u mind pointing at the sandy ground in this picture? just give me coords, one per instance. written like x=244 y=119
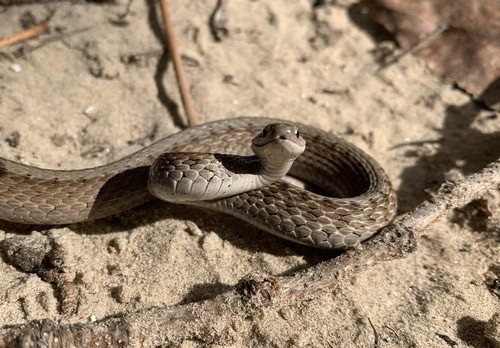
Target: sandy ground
x=85 y=101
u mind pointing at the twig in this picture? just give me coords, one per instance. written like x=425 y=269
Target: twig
x=25 y=35
x=212 y=321
x=187 y=100
x=375 y=334
x=415 y=46
x=393 y=331
x=217 y=22
x=121 y=19
x=447 y=339
x=41 y=43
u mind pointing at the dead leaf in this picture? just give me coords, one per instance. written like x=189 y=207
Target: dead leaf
x=467 y=50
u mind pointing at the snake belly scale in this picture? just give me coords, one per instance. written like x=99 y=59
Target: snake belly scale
x=358 y=198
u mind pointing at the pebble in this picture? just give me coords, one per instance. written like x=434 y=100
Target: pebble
x=16 y=68
x=90 y=110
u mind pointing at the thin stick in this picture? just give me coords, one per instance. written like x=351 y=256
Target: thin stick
x=187 y=100
x=216 y=22
x=27 y=34
x=43 y=42
x=415 y=46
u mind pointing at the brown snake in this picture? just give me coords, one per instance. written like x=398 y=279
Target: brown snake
x=356 y=201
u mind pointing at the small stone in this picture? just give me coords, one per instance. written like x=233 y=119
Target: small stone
x=116 y=245
x=16 y=68
x=90 y=110
x=14 y=139
x=58 y=140
x=117 y=293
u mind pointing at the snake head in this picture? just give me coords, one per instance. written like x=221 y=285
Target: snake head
x=278 y=143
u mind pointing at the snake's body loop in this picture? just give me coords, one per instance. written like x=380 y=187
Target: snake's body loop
x=358 y=199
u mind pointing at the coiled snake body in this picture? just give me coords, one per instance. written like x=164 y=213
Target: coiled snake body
x=358 y=198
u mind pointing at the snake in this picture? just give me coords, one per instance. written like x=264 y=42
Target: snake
x=236 y=166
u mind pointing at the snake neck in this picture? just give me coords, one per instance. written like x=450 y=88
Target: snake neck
x=272 y=169
x=251 y=172
x=190 y=177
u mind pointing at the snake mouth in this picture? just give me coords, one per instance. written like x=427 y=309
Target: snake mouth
x=279 y=145
x=280 y=140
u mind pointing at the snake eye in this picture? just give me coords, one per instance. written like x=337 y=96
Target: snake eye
x=297 y=133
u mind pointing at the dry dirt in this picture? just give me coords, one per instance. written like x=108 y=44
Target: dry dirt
x=106 y=92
